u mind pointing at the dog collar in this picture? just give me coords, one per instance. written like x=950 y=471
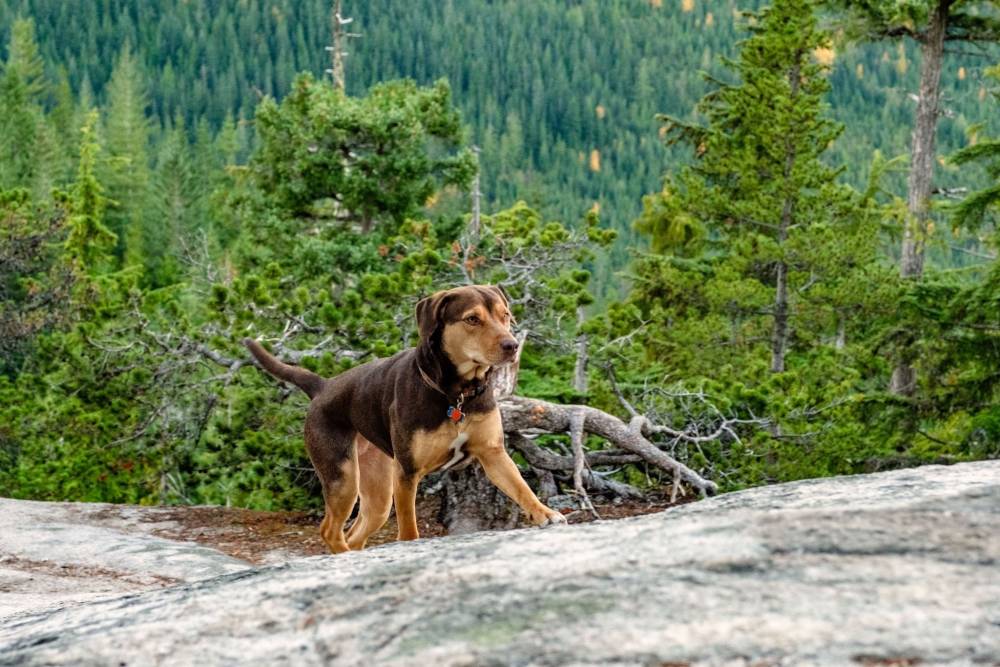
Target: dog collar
x=454 y=412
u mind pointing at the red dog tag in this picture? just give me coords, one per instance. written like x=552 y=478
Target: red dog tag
x=455 y=414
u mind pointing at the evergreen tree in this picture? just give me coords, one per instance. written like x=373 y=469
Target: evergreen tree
x=89 y=239
x=977 y=208
x=25 y=157
x=758 y=186
x=126 y=171
x=325 y=156
x=23 y=59
x=931 y=24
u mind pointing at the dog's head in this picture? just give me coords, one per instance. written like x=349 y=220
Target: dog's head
x=472 y=326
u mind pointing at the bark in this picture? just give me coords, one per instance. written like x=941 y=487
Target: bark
x=920 y=183
x=471 y=503
x=779 y=334
x=921 y=176
x=582 y=357
x=547 y=462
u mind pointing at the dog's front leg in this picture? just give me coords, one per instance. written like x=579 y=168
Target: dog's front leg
x=503 y=472
x=486 y=444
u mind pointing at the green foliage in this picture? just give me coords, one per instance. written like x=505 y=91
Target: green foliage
x=975 y=209
x=318 y=226
x=551 y=83
x=366 y=160
x=759 y=196
x=89 y=239
x=33 y=281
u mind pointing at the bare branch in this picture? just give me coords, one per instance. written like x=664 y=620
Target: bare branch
x=521 y=413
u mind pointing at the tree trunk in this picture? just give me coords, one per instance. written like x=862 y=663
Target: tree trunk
x=580 y=370
x=779 y=334
x=471 y=503
x=921 y=177
x=920 y=183
x=841 y=342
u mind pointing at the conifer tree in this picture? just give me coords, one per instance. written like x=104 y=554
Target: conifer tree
x=89 y=240
x=758 y=186
x=931 y=24
x=23 y=156
x=24 y=60
x=976 y=208
x=127 y=167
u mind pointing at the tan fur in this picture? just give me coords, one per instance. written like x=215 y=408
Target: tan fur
x=376 y=470
x=339 y=499
x=382 y=481
x=474 y=348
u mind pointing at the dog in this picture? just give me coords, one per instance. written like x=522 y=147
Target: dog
x=377 y=429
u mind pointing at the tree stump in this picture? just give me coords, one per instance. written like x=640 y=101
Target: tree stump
x=470 y=503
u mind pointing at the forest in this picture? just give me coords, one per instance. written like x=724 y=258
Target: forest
x=753 y=243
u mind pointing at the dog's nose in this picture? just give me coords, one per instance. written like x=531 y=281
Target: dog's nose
x=509 y=346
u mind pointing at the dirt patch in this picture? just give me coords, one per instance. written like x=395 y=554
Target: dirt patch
x=268 y=537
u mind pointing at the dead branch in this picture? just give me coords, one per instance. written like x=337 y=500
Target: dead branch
x=527 y=413
x=546 y=462
x=576 y=439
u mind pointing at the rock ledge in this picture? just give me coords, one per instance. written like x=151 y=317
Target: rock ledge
x=894 y=568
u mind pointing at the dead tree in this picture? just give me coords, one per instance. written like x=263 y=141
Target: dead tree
x=337 y=50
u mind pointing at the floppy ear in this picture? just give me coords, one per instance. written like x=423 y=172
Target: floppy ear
x=503 y=294
x=429 y=314
x=506 y=300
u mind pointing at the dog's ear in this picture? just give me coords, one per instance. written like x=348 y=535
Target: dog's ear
x=503 y=294
x=430 y=313
x=506 y=300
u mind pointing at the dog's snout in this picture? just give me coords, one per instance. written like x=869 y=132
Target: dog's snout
x=509 y=346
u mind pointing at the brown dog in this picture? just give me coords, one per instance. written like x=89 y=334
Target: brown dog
x=379 y=428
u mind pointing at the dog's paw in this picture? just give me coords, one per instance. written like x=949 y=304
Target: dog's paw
x=554 y=519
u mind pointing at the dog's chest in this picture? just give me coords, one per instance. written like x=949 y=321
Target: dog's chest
x=452 y=445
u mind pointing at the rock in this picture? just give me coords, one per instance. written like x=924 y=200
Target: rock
x=52 y=554
x=893 y=568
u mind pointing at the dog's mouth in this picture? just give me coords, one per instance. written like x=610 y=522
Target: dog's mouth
x=504 y=358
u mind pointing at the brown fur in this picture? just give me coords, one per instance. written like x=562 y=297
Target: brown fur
x=378 y=429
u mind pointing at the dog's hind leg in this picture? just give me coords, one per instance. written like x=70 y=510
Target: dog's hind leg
x=339 y=494
x=335 y=459
x=375 y=487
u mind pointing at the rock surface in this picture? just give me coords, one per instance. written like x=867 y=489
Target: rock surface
x=897 y=568
x=53 y=554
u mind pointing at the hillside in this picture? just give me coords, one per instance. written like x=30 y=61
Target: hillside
x=560 y=96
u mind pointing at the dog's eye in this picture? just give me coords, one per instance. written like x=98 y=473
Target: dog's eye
x=472 y=319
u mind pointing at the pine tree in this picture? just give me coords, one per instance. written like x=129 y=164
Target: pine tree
x=89 y=240
x=24 y=60
x=127 y=167
x=758 y=186
x=24 y=158
x=931 y=24
x=975 y=209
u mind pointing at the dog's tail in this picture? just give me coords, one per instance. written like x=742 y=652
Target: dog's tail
x=302 y=378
